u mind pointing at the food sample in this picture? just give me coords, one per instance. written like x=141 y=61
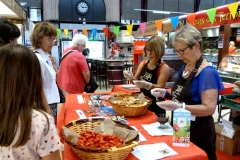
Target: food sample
x=128 y=100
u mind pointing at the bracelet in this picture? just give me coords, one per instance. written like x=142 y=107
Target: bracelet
x=183 y=105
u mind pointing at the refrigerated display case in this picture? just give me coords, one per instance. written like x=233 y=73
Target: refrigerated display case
x=229 y=68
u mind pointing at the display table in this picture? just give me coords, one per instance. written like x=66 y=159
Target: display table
x=68 y=113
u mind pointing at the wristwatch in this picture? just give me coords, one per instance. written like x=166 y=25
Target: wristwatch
x=183 y=105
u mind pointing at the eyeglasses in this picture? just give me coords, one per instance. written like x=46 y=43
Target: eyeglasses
x=51 y=39
x=148 y=50
x=179 y=51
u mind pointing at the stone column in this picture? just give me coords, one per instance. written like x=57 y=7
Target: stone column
x=50 y=10
x=112 y=10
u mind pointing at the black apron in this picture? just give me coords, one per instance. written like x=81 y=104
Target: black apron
x=202 y=131
x=151 y=76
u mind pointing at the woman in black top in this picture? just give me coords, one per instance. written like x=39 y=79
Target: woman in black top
x=147 y=71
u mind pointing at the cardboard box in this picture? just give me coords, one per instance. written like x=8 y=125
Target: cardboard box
x=228 y=138
x=181 y=127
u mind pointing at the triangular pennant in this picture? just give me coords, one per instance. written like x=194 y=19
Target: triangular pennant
x=65 y=33
x=143 y=26
x=174 y=21
x=84 y=31
x=75 y=31
x=211 y=14
x=105 y=31
x=94 y=32
x=233 y=9
x=159 y=25
x=58 y=33
x=129 y=28
x=116 y=30
x=191 y=18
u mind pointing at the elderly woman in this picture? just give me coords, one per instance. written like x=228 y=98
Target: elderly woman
x=152 y=73
x=43 y=38
x=196 y=89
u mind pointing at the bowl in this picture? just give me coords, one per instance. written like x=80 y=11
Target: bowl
x=162 y=119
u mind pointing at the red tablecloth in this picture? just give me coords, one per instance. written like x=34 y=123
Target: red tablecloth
x=68 y=113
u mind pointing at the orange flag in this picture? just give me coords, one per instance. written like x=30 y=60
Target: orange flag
x=159 y=25
x=105 y=31
x=84 y=31
x=191 y=18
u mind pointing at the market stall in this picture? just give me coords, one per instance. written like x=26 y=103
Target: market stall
x=68 y=112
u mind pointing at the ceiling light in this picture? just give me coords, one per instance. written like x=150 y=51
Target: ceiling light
x=161 y=12
x=5 y=10
x=23 y=3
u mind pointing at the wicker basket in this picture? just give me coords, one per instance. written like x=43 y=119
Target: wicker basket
x=132 y=111
x=112 y=153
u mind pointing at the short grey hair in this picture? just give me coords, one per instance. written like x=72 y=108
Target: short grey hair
x=189 y=35
x=79 y=39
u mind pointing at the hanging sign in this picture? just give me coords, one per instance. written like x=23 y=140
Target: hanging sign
x=222 y=16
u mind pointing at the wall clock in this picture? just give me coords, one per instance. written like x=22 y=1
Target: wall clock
x=82 y=7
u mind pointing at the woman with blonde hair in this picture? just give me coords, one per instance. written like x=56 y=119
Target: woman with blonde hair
x=43 y=38
x=26 y=130
x=152 y=73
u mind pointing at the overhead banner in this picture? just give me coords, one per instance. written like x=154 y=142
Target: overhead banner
x=222 y=16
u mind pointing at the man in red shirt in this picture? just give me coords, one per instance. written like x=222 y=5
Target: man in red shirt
x=74 y=72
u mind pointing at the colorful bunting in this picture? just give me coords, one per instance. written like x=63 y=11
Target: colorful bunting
x=116 y=30
x=94 y=32
x=211 y=14
x=75 y=31
x=191 y=18
x=143 y=26
x=58 y=33
x=65 y=33
x=84 y=31
x=233 y=9
x=174 y=21
x=159 y=25
x=105 y=31
x=129 y=28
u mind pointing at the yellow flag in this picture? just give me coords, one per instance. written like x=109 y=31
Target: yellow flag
x=65 y=32
x=129 y=28
x=233 y=9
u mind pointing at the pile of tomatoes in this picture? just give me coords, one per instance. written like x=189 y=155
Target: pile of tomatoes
x=89 y=138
